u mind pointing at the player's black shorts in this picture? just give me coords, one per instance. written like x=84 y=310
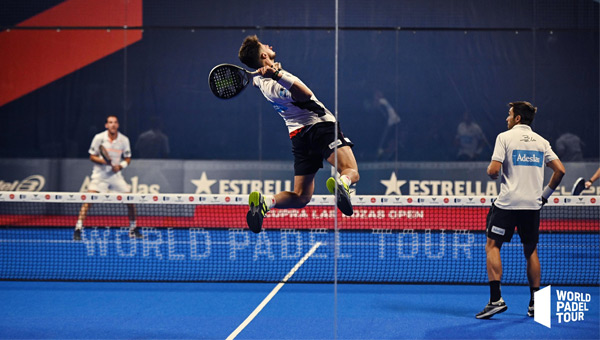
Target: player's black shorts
x=313 y=144
x=501 y=223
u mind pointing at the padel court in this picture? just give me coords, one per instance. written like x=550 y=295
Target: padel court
x=398 y=268
x=103 y=310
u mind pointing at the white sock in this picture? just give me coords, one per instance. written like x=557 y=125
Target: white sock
x=270 y=201
x=346 y=180
x=79 y=225
x=132 y=225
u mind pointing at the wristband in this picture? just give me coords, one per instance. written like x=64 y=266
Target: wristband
x=547 y=192
x=123 y=164
x=274 y=77
x=286 y=80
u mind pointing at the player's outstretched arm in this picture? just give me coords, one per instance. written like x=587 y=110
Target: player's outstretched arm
x=299 y=91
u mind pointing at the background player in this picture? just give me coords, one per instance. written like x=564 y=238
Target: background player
x=521 y=154
x=594 y=177
x=108 y=177
x=312 y=131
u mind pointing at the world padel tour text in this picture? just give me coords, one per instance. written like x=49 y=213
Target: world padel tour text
x=571 y=306
x=199 y=244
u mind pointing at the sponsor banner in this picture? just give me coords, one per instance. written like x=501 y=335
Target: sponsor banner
x=29 y=175
x=270 y=177
x=219 y=215
x=318 y=200
x=528 y=158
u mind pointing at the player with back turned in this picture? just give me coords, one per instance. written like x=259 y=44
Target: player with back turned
x=521 y=155
x=312 y=132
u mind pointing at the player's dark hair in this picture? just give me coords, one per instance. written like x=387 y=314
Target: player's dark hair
x=111 y=116
x=249 y=52
x=525 y=110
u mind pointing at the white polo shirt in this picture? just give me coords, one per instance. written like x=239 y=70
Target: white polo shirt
x=523 y=154
x=294 y=114
x=117 y=149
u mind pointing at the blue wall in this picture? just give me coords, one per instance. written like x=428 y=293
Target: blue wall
x=431 y=59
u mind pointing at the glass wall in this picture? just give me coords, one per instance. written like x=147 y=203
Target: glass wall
x=409 y=74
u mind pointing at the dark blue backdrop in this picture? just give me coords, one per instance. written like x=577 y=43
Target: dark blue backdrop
x=431 y=59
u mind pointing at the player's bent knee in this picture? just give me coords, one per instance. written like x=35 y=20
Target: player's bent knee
x=492 y=244
x=303 y=200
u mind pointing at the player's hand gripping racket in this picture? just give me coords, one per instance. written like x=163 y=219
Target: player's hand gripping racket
x=105 y=155
x=578 y=186
x=227 y=81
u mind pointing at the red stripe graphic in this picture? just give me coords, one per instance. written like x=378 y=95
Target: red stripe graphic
x=364 y=218
x=31 y=59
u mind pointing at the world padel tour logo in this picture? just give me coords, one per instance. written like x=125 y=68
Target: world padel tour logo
x=570 y=306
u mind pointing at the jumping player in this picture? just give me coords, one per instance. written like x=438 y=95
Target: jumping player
x=312 y=131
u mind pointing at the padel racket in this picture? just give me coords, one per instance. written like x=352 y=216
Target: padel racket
x=105 y=155
x=227 y=81
x=578 y=186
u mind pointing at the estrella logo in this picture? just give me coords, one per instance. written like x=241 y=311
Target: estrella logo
x=528 y=158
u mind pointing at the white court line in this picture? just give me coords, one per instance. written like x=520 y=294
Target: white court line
x=273 y=292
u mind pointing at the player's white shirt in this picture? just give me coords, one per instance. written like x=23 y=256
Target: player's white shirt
x=294 y=116
x=523 y=154
x=118 y=150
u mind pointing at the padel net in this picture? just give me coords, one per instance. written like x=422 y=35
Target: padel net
x=389 y=239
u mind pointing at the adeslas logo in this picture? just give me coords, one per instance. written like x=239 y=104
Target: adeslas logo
x=528 y=158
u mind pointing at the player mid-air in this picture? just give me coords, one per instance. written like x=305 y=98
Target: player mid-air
x=312 y=130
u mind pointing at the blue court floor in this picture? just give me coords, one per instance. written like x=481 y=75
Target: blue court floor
x=97 y=310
